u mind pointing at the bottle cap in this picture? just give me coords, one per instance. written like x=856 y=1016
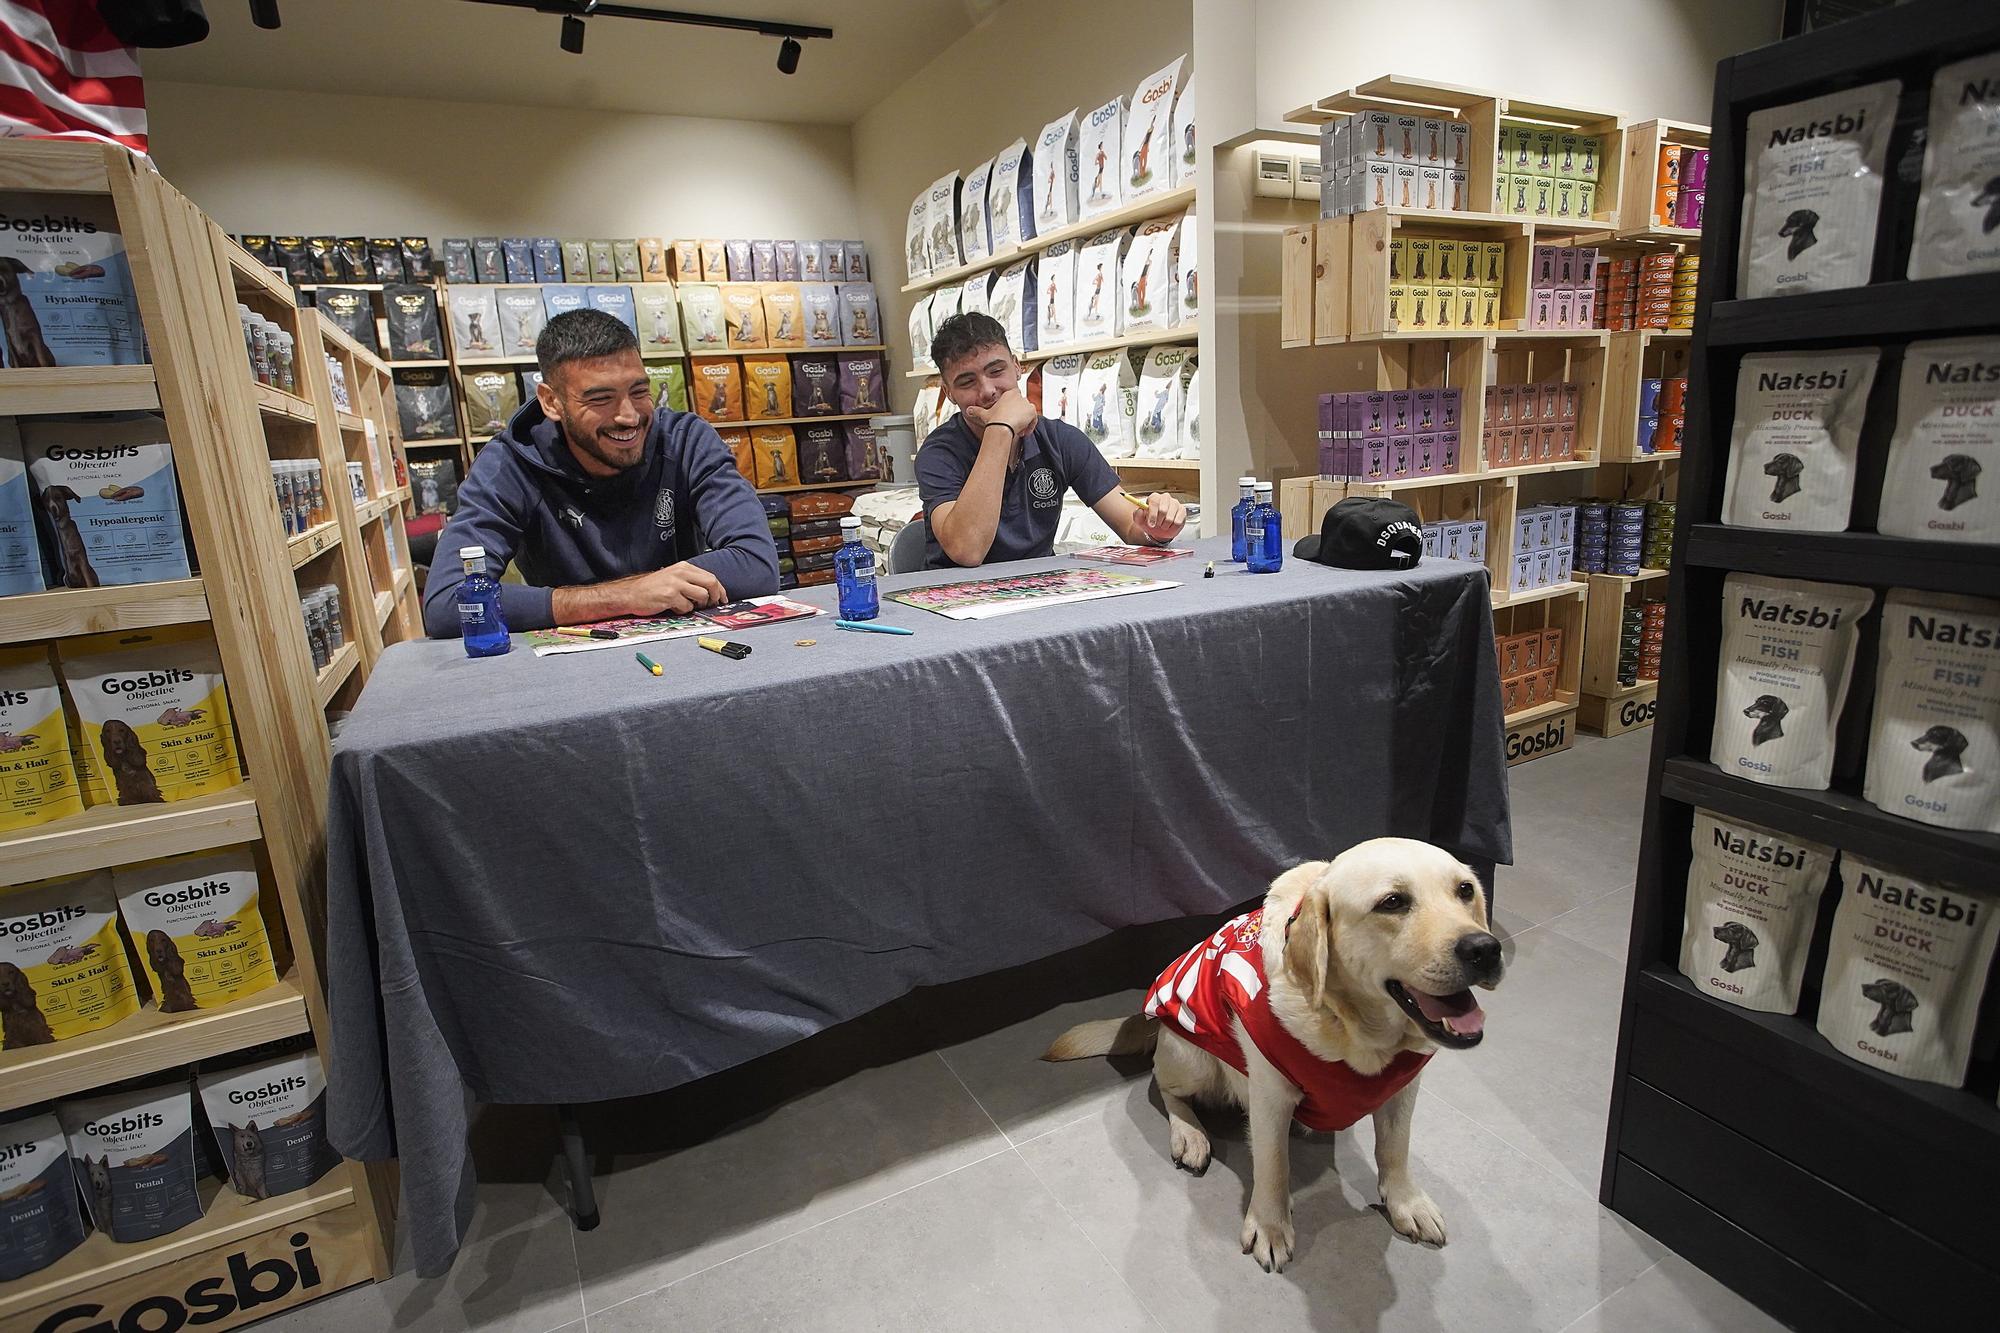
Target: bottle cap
x=472 y=553
x=1263 y=488
x=849 y=524
x=1246 y=481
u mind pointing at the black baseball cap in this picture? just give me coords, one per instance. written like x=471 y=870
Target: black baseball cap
x=1365 y=534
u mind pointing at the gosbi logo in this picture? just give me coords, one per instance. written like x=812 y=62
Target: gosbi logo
x=1632 y=712
x=1043 y=484
x=241 y=1286
x=1553 y=736
x=663 y=514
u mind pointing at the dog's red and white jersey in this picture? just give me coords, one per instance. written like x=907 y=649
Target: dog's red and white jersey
x=1223 y=978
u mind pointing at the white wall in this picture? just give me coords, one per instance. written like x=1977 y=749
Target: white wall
x=313 y=163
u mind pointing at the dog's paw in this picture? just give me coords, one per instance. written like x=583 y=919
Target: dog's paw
x=1413 y=1214
x=1189 y=1146
x=1268 y=1242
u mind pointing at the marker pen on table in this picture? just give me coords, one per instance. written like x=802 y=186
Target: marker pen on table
x=649 y=664
x=733 y=651
x=866 y=628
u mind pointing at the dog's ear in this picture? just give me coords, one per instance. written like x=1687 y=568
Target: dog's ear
x=1903 y=1000
x=13 y=265
x=1309 y=927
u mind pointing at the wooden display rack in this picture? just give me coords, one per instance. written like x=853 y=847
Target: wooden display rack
x=456 y=444
x=224 y=430
x=1548 y=727
x=1638 y=215
x=1611 y=709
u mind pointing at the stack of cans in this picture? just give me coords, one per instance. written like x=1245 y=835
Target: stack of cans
x=1593 y=536
x=1656 y=290
x=1680 y=188
x=1631 y=631
x=1617 y=296
x=1680 y=303
x=1627 y=545
x=1652 y=640
x=1659 y=542
x=1662 y=415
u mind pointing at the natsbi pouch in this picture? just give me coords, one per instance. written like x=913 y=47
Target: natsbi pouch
x=1787 y=655
x=269 y=1119
x=1812 y=190
x=39 y=1218
x=1904 y=972
x=195 y=923
x=135 y=1159
x=1793 y=444
x=1752 y=895
x=62 y=968
x=37 y=774
x=1934 y=747
x=1947 y=436
x=1958 y=212
x=153 y=715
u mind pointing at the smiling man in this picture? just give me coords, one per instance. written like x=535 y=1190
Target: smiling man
x=609 y=506
x=992 y=478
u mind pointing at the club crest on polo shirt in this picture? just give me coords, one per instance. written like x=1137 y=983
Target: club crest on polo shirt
x=1043 y=486
x=663 y=514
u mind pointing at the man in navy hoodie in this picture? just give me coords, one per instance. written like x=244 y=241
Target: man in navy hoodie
x=610 y=507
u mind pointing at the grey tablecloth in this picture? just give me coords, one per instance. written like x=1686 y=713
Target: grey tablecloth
x=563 y=879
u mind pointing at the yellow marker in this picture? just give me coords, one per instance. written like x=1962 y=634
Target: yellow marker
x=573 y=632
x=1134 y=499
x=733 y=651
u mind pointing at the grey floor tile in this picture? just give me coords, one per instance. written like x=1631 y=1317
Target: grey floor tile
x=814 y=1157
x=985 y=1247
x=1526 y=1251
x=1026 y=1096
x=1604 y=924
x=1676 y=1295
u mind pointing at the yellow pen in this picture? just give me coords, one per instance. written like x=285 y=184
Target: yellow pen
x=734 y=651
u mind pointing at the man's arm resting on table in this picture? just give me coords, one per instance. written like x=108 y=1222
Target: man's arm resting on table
x=1157 y=524
x=675 y=589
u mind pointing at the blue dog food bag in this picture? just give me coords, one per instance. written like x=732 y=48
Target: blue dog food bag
x=269 y=1119
x=106 y=497
x=134 y=1157
x=20 y=554
x=39 y=1222
x=66 y=296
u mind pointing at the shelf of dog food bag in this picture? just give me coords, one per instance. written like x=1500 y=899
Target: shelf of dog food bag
x=33 y=392
x=816 y=486
x=1143 y=338
x=337 y=671
x=1922 y=307
x=1151 y=206
x=314 y=542
x=112 y=835
x=1849 y=557
x=62 y=612
x=765 y=351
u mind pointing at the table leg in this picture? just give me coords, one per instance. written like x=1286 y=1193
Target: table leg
x=583 y=1199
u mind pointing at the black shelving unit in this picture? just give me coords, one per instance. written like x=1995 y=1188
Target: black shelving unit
x=1832 y=1194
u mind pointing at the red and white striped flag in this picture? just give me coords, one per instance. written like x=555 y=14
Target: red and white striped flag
x=65 y=75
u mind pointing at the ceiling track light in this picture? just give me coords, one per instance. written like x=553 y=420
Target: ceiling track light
x=788 y=56
x=572 y=34
x=264 y=13
x=574 y=12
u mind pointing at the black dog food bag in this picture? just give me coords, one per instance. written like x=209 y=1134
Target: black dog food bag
x=815 y=386
x=413 y=323
x=290 y=251
x=458 y=266
x=40 y=1221
x=861 y=384
x=385 y=259
x=134 y=1158
x=269 y=1119
x=323 y=254
x=423 y=402
x=489 y=261
x=416 y=258
x=260 y=248
x=351 y=312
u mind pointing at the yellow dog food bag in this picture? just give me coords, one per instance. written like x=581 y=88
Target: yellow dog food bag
x=37 y=775
x=195 y=924
x=63 y=970
x=152 y=714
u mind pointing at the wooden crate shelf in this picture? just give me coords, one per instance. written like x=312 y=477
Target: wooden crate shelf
x=110 y=835
x=314 y=542
x=34 y=392
x=337 y=671
x=62 y=612
x=1639 y=177
x=277 y=403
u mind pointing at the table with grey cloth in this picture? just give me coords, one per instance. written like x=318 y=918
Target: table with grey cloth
x=562 y=879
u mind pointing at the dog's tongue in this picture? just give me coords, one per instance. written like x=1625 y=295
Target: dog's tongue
x=1461 y=1012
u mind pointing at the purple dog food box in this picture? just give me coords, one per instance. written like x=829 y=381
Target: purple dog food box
x=1448 y=404
x=1402 y=408
x=1375 y=463
x=1402 y=452
x=1448 y=452
x=1375 y=416
x=1427 y=454
x=1426 y=404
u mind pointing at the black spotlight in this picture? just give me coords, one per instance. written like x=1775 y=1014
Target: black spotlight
x=572 y=34
x=264 y=13
x=788 y=56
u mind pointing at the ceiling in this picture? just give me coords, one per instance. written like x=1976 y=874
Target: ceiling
x=451 y=50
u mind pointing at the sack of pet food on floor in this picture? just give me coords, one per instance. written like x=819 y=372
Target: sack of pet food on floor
x=40 y=1220
x=1187 y=279
x=862 y=385
x=1958 y=212
x=1150 y=265
x=1098 y=265
x=863 y=452
x=1010 y=197
x=1947 y=435
x=1934 y=743
x=815 y=386
x=822 y=457
x=1812 y=188
x=669 y=379
x=717 y=389
x=351 y=312
x=1012 y=302
x=1752 y=898
x=20 y=549
x=743 y=309
x=1054 y=179
x=1107 y=382
x=423 y=403
x=1055 y=310
x=820 y=311
x=737 y=441
x=38 y=779
x=1184 y=161
x=973 y=241
x=767 y=387
x=434 y=486
x=860 y=326
x=152 y=715
x=1159 y=414
x=943 y=214
x=703 y=327
x=475 y=321
x=65 y=287
x=562 y=297
x=1061 y=380
x=1787 y=656
x=774 y=454
x=617 y=303
x=1100 y=163
x=413 y=323
x=917 y=238
x=522 y=316
x=784 y=315
x=135 y=1159
x=63 y=970
x=736 y=261
x=492 y=397
x=107 y=498
x=1793 y=445
x=1905 y=968
x=1149 y=133
x=269 y=1119
x=1191 y=412
x=196 y=924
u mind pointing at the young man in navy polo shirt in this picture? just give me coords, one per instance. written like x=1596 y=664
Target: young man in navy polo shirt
x=992 y=478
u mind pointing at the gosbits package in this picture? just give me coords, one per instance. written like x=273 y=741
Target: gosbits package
x=1947 y=436
x=64 y=283
x=134 y=1155
x=917 y=238
x=1787 y=656
x=1934 y=745
x=152 y=713
x=1793 y=445
x=1052 y=183
x=269 y=1119
x=38 y=779
x=1100 y=166
x=107 y=499
x=39 y=1218
x=1958 y=212
x=195 y=923
x=1149 y=133
x=1752 y=896
x=62 y=968
x=20 y=551
x=1812 y=189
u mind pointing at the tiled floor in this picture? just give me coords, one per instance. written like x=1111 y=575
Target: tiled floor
x=917 y=1172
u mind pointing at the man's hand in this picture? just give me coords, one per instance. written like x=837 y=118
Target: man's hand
x=1164 y=517
x=1011 y=408
x=678 y=589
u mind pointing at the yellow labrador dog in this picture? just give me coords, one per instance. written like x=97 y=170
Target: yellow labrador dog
x=1322 y=1006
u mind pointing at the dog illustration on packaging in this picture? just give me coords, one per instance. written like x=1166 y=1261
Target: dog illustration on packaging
x=125 y=756
x=1946 y=747
x=1960 y=475
x=21 y=1018
x=1769 y=710
x=77 y=571
x=246 y=1161
x=25 y=346
x=165 y=959
x=1739 y=943
x=1786 y=469
x=1799 y=227
x=1897 y=1003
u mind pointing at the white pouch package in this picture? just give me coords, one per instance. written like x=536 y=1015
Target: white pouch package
x=1098 y=301
x=917 y=237
x=1012 y=302
x=1054 y=176
x=974 y=293
x=1934 y=742
x=1905 y=968
x=39 y=1219
x=924 y=411
x=1752 y=897
x=1009 y=204
x=1062 y=380
x=1787 y=656
x=1812 y=189
x=1184 y=161
x=1947 y=435
x=920 y=334
x=1796 y=434
x=1958 y=211
x=20 y=551
x=1100 y=165
x=945 y=303
x=1055 y=311
x=1187 y=279
x=135 y=1160
x=1149 y=133
x=269 y=1119
x=1158 y=418
x=107 y=497
x=1150 y=268
x=974 y=236
x=943 y=213
x=1191 y=413
x=66 y=284
x=195 y=922
x=1106 y=384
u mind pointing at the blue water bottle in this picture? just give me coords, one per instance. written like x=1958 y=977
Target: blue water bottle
x=479 y=618
x=1264 y=534
x=854 y=571
x=1248 y=487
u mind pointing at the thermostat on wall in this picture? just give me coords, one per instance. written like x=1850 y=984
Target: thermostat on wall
x=1277 y=174
x=1307 y=186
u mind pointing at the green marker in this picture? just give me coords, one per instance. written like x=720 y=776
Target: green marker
x=649 y=664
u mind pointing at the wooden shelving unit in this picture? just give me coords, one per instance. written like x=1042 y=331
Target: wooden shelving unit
x=1180 y=333
x=1158 y=204
x=225 y=430
x=1833 y=1194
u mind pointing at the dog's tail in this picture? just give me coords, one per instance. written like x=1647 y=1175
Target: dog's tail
x=1133 y=1035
